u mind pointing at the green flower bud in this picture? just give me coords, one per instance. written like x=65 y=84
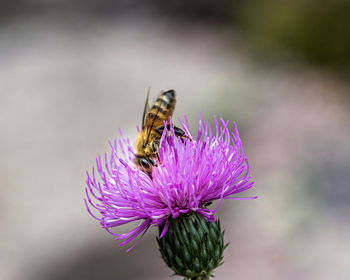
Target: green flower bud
x=192 y=246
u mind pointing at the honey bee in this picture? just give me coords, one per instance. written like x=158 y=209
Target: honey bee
x=148 y=140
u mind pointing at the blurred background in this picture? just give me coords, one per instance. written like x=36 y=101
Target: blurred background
x=73 y=72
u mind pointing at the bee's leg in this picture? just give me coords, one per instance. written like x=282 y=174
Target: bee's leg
x=155 y=150
x=154 y=147
x=158 y=158
x=151 y=161
x=180 y=133
x=160 y=129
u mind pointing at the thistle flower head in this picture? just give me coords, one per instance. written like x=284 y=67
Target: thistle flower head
x=191 y=173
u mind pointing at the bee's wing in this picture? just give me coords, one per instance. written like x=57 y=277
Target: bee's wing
x=145 y=111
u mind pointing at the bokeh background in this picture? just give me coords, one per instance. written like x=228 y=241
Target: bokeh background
x=73 y=72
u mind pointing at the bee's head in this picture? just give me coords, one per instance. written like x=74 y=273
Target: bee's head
x=145 y=163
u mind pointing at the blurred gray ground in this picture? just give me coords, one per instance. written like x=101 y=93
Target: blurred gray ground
x=68 y=82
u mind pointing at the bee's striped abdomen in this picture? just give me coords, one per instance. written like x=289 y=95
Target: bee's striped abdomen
x=162 y=109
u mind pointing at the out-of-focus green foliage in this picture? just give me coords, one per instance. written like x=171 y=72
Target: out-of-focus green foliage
x=319 y=30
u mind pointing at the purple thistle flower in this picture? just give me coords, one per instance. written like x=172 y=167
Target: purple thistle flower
x=191 y=174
